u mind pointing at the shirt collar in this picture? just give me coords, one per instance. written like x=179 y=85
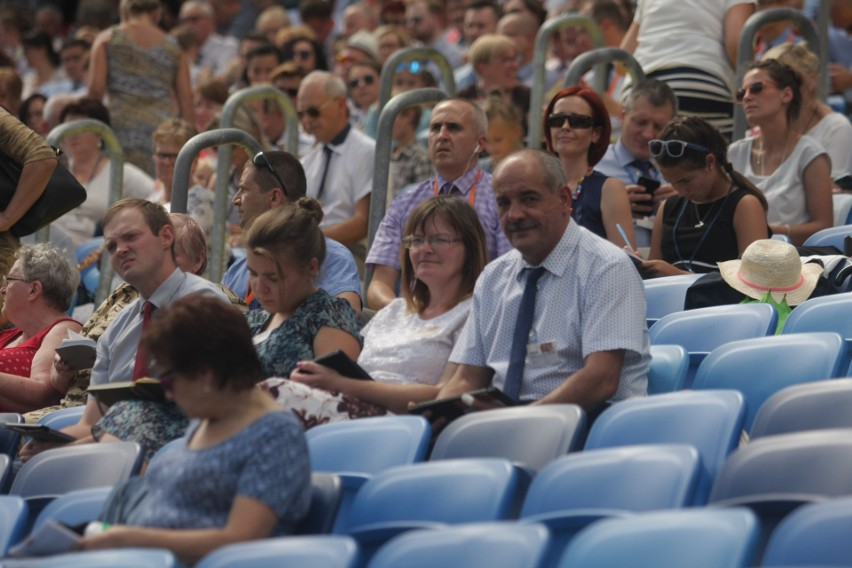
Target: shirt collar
x=164 y=293
x=557 y=261
x=464 y=183
x=341 y=136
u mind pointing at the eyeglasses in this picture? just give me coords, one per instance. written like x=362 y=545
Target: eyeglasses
x=366 y=79
x=574 y=120
x=313 y=112
x=436 y=242
x=411 y=67
x=674 y=148
x=165 y=156
x=7 y=279
x=261 y=160
x=755 y=89
x=167 y=381
x=302 y=54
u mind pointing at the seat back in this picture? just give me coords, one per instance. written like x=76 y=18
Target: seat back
x=760 y=367
x=668 y=369
x=666 y=295
x=813 y=535
x=326 y=494
x=698 y=538
x=13 y=520
x=308 y=551
x=58 y=471
x=75 y=507
x=62 y=418
x=810 y=406
x=703 y=330
x=496 y=545
x=832 y=236
x=124 y=557
x=530 y=435
x=368 y=445
x=825 y=313
x=10 y=441
x=711 y=422
x=445 y=491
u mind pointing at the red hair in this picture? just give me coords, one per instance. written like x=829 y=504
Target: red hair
x=599 y=113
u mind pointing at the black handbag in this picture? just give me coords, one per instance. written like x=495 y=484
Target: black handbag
x=62 y=194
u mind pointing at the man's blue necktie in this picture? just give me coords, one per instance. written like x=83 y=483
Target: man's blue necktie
x=521 y=336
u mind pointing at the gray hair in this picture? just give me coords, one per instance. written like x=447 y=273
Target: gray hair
x=203 y=4
x=59 y=278
x=657 y=92
x=480 y=120
x=333 y=85
x=550 y=167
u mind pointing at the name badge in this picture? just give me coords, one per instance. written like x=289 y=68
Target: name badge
x=542 y=354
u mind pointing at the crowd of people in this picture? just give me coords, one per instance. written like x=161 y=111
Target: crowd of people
x=500 y=261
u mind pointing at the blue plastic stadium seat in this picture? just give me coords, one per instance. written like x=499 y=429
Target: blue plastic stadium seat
x=668 y=369
x=666 y=295
x=813 y=535
x=810 y=406
x=305 y=551
x=825 y=313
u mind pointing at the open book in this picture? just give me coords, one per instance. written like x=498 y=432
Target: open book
x=39 y=432
x=51 y=537
x=143 y=389
x=455 y=406
x=78 y=351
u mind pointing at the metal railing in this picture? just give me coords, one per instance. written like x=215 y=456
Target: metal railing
x=542 y=39
x=589 y=59
x=115 y=153
x=414 y=54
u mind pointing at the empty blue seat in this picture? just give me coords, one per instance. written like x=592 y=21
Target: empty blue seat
x=666 y=295
x=825 y=313
x=75 y=507
x=775 y=474
x=710 y=421
x=668 y=369
x=326 y=494
x=697 y=538
x=760 y=367
x=13 y=521
x=579 y=489
x=123 y=557
x=431 y=494
x=832 y=236
x=495 y=545
x=62 y=418
x=305 y=551
x=703 y=330
x=813 y=535
x=810 y=406
x=529 y=435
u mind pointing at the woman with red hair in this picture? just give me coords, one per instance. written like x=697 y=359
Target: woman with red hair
x=577 y=129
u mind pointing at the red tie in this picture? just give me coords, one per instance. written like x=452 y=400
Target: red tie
x=140 y=368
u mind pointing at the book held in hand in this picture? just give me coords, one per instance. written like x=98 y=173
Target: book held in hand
x=454 y=406
x=343 y=364
x=39 y=432
x=145 y=388
x=78 y=351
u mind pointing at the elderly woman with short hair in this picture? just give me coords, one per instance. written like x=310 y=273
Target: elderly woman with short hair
x=38 y=290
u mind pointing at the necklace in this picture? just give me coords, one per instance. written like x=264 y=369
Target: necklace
x=575 y=195
x=700 y=222
x=761 y=153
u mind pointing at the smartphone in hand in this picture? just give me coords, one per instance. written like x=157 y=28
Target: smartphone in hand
x=650 y=184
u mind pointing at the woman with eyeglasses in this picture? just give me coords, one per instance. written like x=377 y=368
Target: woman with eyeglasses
x=93 y=169
x=792 y=170
x=408 y=342
x=716 y=213
x=363 y=87
x=37 y=292
x=241 y=471
x=285 y=249
x=577 y=130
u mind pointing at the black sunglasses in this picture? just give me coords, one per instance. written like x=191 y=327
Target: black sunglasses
x=302 y=54
x=755 y=89
x=574 y=120
x=367 y=80
x=674 y=148
x=261 y=160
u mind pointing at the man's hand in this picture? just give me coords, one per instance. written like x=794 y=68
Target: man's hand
x=35 y=447
x=641 y=202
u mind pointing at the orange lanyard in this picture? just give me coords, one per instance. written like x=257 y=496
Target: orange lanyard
x=471 y=197
x=249 y=294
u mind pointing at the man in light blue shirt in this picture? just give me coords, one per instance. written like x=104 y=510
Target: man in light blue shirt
x=649 y=107
x=588 y=340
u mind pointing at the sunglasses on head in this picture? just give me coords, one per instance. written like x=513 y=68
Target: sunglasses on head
x=755 y=89
x=411 y=67
x=673 y=148
x=574 y=120
x=366 y=79
x=262 y=161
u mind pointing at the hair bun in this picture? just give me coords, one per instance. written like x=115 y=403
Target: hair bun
x=312 y=207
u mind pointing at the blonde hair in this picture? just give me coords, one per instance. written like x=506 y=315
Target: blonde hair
x=487 y=46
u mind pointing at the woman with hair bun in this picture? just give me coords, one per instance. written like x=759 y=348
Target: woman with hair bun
x=716 y=213
x=285 y=249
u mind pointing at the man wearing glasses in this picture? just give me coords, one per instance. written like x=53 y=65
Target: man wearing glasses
x=560 y=319
x=263 y=187
x=339 y=170
x=456 y=137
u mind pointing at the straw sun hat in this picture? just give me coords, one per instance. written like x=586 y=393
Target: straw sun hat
x=772 y=266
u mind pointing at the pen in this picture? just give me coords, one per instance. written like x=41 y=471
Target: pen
x=624 y=236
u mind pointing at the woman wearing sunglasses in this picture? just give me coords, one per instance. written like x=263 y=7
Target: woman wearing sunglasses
x=242 y=470
x=792 y=170
x=408 y=342
x=363 y=87
x=716 y=213
x=577 y=130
